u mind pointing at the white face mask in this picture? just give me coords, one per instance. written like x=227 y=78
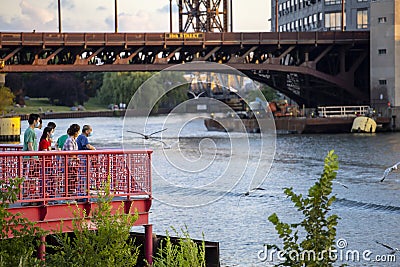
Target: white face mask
x=37 y=124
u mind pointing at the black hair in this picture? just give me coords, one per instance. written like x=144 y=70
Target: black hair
x=45 y=132
x=85 y=128
x=51 y=125
x=73 y=129
x=33 y=117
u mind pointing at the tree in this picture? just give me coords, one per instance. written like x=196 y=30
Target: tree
x=6 y=98
x=320 y=229
x=19 y=250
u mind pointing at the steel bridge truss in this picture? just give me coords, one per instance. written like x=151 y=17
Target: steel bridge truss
x=312 y=68
x=203 y=15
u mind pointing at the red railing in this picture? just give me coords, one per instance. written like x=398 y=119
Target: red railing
x=10 y=147
x=76 y=175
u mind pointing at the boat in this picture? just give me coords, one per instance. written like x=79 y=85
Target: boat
x=333 y=119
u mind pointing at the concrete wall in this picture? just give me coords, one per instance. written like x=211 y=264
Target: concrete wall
x=385 y=66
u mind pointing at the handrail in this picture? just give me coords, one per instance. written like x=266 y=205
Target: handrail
x=77 y=175
x=342 y=111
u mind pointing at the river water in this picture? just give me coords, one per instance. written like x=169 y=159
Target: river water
x=186 y=197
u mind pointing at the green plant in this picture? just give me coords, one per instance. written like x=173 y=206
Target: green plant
x=185 y=253
x=109 y=245
x=318 y=225
x=19 y=250
x=6 y=98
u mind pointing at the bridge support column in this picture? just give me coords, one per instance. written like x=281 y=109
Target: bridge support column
x=42 y=248
x=148 y=243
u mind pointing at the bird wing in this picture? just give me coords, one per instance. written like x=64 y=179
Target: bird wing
x=136 y=133
x=386 y=173
x=385 y=245
x=158 y=131
x=396 y=166
x=190 y=92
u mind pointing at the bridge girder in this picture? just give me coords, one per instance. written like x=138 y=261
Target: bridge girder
x=311 y=68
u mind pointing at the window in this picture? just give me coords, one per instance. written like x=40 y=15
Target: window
x=382 y=20
x=382 y=51
x=315 y=18
x=362 y=1
x=320 y=16
x=362 y=19
x=305 y=21
x=300 y=22
x=382 y=82
x=333 y=21
x=333 y=2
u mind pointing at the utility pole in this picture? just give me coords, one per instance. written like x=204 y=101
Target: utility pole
x=116 y=16
x=276 y=16
x=170 y=16
x=59 y=16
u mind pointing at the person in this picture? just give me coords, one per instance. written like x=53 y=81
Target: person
x=30 y=139
x=38 y=132
x=61 y=140
x=53 y=126
x=73 y=132
x=82 y=140
x=45 y=141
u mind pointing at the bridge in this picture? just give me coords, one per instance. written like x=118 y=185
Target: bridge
x=312 y=68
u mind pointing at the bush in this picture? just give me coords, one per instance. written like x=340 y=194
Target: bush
x=109 y=245
x=319 y=228
x=185 y=253
x=19 y=250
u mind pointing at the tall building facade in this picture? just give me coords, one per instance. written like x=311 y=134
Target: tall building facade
x=319 y=15
x=385 y=53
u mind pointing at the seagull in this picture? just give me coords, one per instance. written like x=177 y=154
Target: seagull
x=393 y=250
x=150 y=136
x=345 y=186
x=389 y=170
x=250 y=191
x=194 y=95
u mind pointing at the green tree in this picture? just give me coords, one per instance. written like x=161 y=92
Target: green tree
x=109 y=245
x=6 y=98
x=318 y=225
x=19 y=250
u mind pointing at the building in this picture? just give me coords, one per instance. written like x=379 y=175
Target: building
x=385 y=55
x=319 y=15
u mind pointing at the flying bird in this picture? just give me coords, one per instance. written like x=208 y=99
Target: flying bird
x=150 y=136
x=345 y=186
x=389 y=170
x=393 y=250
x=194 y=95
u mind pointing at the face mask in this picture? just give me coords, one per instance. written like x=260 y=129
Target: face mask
x=51 y=136
x=90 y=134
x=37 y=124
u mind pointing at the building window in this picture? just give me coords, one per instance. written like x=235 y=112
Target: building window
x=333 y=2
x=382 y=82
x=382 y=20
x=320 y=16
x=382 y=51
x=362 y=19
x=333 y=21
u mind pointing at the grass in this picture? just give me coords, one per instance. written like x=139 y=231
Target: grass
x=39 y=105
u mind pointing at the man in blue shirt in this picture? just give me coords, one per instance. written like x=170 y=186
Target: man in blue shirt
x=82 y=140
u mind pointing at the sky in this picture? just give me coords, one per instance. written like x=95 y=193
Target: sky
x=133 y=15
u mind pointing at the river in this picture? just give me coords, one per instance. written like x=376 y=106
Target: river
x=186 y=197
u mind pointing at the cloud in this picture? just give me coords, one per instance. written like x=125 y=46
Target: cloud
x=35 y=14
x=101 y=8
x=165 y=9
x=70 y=4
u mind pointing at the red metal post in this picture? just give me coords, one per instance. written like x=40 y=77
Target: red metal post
x=148 y=243
x=42 y=248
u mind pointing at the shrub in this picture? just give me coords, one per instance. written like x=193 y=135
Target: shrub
x=319 y=228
